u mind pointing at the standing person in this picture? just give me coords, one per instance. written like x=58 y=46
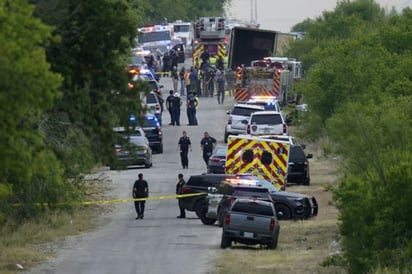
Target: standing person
x=191 y=109
x=187 y=81
x=182 y=81
x=184 y=145
x=220 y=84
x=205 y=56
x=161 y=102
x=175 y=78
x=140 y=190
x=207 y=144
x=176 y=103
x=169 y=106
x=193 y=80
x=179 y=191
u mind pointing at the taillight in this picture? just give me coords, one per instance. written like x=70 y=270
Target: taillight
x=229 y=121
x=214 y=160
x=157 y=107
x=272 y=224
x=230 y=201
x=248 y=129
x=227 y=218
x=186 y=189
x=284 y=128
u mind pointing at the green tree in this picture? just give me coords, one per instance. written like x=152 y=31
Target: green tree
x=29 y=171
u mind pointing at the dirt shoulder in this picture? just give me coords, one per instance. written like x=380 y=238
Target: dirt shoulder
x=303 y=245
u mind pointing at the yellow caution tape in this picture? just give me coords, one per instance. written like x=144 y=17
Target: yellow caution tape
x=105 y=202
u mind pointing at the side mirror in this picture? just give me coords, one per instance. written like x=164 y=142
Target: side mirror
x=228 y=111
x=211 y=189
x=303 y=146
x=309 y=156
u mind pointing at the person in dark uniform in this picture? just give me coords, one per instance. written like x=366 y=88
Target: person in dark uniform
x=184 y=145
x=140 y=190
x=176 y=103
x=179 y=191
x=169 y=106
x=208 y=144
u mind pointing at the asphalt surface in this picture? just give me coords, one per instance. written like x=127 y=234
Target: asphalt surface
x=160 y=243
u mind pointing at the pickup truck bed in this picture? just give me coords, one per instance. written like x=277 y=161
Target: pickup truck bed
x=250 y=222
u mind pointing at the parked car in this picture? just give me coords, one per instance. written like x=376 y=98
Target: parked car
x=250 y=221
x=153 y=132
x=132 y=150
x=199 y=184
x=288 y=205
x=298 y=166
x=153 y=102
x=266 y=122
x=221 y=198
x=238 y=118
x=268 y=102
x=217 y=160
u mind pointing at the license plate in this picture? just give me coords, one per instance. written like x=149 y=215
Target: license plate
x=248 y=234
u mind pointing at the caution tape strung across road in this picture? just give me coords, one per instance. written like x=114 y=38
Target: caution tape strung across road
x=115 y=201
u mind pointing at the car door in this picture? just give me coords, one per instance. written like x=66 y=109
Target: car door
x=214 y=199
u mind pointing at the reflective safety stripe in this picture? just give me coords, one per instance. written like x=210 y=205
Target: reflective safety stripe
x=275 y=171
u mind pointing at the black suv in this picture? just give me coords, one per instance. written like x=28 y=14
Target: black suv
x=298 y=166
x=153 y=132
x=200 y=184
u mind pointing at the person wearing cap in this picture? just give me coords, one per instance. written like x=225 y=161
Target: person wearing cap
x=176 y=103
x=179 y=191
x=184 y=145
x=208 y=144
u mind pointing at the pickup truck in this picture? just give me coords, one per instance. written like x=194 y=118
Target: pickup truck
x=250 y=221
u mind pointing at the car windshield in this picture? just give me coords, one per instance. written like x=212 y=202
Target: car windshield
x=151 y=121
x=154 y=36
x=254 y=208
x=297 y=153
x=181 y=28
x=272 y=119
x=221 y=151
x=137 y=141
x=243 y=111
x=151 y=99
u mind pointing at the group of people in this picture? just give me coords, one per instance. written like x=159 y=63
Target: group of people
x=174 y=103
x=140 y=190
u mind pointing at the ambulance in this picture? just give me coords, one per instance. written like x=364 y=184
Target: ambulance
x=254 y=155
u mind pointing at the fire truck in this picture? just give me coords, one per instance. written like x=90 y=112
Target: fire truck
x=265 y=158
x=209 y=34
x=271 y=76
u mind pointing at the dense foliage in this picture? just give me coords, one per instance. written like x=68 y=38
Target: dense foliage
x=358 y=87
x=63 y=86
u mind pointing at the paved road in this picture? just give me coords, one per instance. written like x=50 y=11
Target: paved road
x=160 y=243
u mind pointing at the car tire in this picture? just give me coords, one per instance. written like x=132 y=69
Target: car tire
x=225 y=241
x=205 y=220
x=306 y=182
x=219 y=218
x=273 y=244
x=283 y=212
x=199 y=206
x=160 y=149
x=226 y=137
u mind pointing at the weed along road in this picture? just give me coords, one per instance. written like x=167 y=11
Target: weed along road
x=160 y=243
